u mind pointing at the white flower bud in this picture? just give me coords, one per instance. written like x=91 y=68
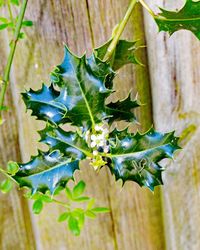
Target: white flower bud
x=95 y=152
x=93 y=144
x=93 y=137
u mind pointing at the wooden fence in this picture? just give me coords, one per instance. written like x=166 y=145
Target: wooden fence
x=168 y=85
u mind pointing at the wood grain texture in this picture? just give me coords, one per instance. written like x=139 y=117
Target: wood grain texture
x=175 y=77
x=135 y=221
x=15 y=227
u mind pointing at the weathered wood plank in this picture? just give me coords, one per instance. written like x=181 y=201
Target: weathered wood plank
x=16 y=228
x=136 y=218
x=175 y=76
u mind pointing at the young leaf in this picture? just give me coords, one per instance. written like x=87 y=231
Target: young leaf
x=186 y=18
x=46 y=198
x=6 y=186
x=15 y=2
x=12 y=167
x=3 y=26
x=73 y=225
x=78 y=213
x=37 y=206
x=81 y=199
x=136 y=157
x=90 y=204
x=100 y=210
x=78 y=189
x=90 y=213
x=124 y=53
x=69 y=193
x=27 y=23
x=63 y=217
x=46 y=171
x=4 y=20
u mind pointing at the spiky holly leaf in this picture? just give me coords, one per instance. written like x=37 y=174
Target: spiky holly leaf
x=47 y=104
x=85 y=90
x=121 y=110
x=70 y=143
x=186 y=18
x=136 y=157
x=124 y=53
x=84 y=83
x=46 y=171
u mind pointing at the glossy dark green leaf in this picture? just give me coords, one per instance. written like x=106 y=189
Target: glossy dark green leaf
x=84 y=83
x=186 y=18
x=122 y=110
x=71 y=144
x=124 y=53
x=136 y=157
x=46 y=171
x=77 y=95
x=85 y=92
x=46 y=104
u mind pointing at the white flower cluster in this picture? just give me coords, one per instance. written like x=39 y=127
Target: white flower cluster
x=98 y=141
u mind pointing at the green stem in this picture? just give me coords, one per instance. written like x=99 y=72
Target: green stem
x=6 y=75
x=10 y=12
x=61 y=203
x=147 y=7
x=119 y=31
x=7 y=175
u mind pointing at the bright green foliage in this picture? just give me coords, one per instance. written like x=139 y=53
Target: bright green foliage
x=6 y=186
x=15 y=2
x=11 y=21
x=12 y=167
x=73 y=217
x=187 y=18
x=37 y=206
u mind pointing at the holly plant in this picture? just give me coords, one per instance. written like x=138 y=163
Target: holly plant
x=77 y=96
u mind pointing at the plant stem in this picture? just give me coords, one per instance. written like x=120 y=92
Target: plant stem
x=6 y=75
x=147 y=7
x=61 y=203
x=8 y=176
x=119 y=31
x=10 y=12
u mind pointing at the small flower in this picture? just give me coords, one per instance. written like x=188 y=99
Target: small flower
x=106 y=149
x=95 y=152
x=97 y=127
